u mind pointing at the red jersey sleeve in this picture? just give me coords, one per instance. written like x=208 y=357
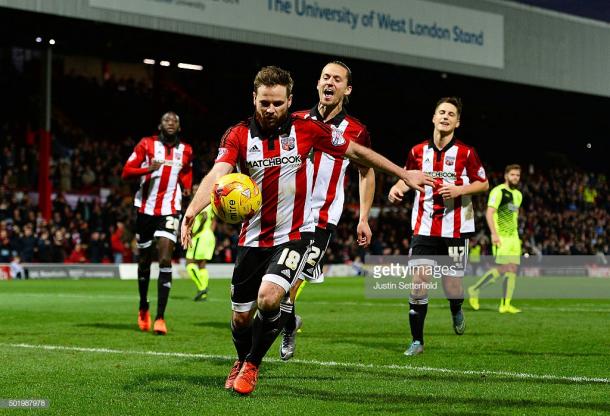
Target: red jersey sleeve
x=411 y=163
x=133 y=166
x=363 y=138
x=228 y=150
x=327 y=138
x=474 y=167
x=186 y=173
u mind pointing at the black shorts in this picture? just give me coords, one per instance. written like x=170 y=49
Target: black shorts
x=441 y=251
x=253 y=265
x=313 y=269
x=151 y=226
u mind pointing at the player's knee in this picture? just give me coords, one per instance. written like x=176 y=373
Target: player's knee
x=165 y=262
x=419 y=290
x=269 y=297
x=143 y=269
x=240 y=320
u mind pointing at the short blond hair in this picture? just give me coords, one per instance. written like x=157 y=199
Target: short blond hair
x=514 y=166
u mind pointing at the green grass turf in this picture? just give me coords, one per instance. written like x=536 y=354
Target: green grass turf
x=558 y=338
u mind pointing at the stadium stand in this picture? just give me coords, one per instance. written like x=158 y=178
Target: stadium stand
x=90 y=145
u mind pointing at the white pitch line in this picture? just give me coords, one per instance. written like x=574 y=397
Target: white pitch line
x=68 y=296
x=421 y=369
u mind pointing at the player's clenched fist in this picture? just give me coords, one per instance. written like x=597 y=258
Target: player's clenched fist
x=397 y=193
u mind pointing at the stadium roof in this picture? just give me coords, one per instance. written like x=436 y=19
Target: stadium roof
x=590 y=9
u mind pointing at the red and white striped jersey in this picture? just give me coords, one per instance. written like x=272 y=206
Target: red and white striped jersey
x=456 y=163
x=329 y=171
x=277 y=164
x=160 y=191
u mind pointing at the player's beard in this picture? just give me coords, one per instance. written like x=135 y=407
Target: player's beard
x=269 y=126
x=512 y=185
x=167 y=138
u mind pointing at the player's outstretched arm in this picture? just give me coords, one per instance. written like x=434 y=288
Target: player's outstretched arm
x=450 y=190
x=366 y=187
x=201 y=199
x=133 y=169
x=413 y=178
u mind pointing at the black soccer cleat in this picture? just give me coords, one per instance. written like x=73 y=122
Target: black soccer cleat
x=289 y=341
x=459 y=323
x=201 y=295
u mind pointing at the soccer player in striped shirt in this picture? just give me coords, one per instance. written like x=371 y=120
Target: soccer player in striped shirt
x=274 y=244
x=163 y=164
x=443 y=216
x=334 y=88
x=503 y=220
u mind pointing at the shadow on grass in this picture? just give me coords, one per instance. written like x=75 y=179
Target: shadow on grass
x=336 y=389
x=113 y=326
x=214 y=324
x=399 y=402
x=172 y=383
x=552 y=354
x=374 y=341
x=387 y=346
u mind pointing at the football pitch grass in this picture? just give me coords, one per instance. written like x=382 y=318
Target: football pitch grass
x=76 y=343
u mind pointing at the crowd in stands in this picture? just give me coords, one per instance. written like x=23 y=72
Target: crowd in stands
x=565 y=211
